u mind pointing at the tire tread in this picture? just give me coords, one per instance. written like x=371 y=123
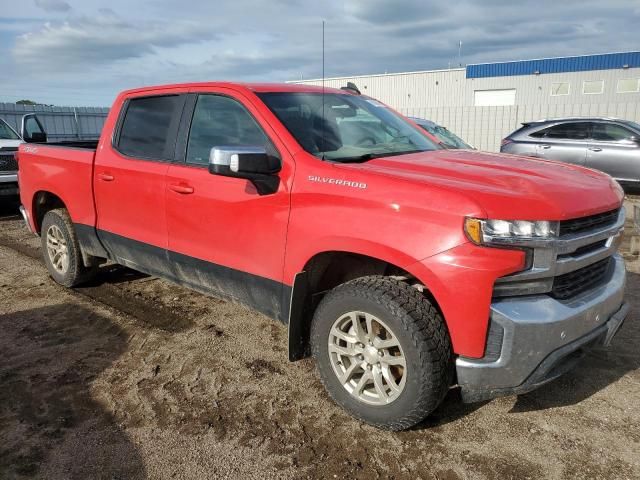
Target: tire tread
x=77 y=272
x=424 y=325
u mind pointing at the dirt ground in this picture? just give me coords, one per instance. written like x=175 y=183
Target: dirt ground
x=133 y=377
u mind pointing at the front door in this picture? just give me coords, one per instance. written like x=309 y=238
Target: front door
x=224 y=237
x=614 y=150
x=129 y=182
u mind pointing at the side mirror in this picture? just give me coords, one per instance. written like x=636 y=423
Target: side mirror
x=252 y=163
x=31 y=129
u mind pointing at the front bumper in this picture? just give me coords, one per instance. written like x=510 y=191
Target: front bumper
x=8 y=184
x=539 y=338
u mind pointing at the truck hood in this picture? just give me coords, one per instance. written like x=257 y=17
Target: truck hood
x=506 y=186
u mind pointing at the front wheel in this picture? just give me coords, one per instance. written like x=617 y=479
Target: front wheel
x=61 y=250
x=383 y=351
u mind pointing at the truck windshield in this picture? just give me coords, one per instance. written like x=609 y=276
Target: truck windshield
x=345 y=128
x=6 y=132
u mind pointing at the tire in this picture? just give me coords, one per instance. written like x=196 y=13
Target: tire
x=57 y=236
x=412 y=339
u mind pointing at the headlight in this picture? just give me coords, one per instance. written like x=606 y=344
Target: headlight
x=487 y=232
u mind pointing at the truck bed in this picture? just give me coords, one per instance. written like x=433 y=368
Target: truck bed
x=89 y=144
x=86 y=144
x=63 y=169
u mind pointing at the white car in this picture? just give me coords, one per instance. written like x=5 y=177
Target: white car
x=9 y=141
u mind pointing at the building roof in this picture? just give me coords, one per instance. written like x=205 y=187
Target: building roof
x=577 y=63
x=582 y=63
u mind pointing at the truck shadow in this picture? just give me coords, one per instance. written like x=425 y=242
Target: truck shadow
x=600 y=368
x=115 y=274
x=51 y=426
x=450 y=410
x=9 y=209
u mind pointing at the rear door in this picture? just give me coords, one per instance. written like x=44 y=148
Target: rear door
x=223 y=236
x=614 y=150
x=129 y=179
x=564 y=142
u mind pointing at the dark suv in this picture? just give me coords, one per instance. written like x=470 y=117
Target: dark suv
x=606 y=144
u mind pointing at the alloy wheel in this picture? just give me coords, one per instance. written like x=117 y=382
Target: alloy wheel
x=367 y=358
x=57 y=249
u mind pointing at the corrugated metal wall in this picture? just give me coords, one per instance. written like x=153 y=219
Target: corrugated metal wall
x=405 y=90
x=447 y=97
x=450 y=87
x=484 y=127
x=60 y=123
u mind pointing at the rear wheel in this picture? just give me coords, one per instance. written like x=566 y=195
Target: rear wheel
x=382 y=351
x=61 y=250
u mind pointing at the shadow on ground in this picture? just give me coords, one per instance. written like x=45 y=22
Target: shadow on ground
x=9 y=208
x=49 y=421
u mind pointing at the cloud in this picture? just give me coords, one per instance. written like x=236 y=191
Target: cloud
x=85 y=42
x=393 y=12
x=97 y=51
x=59 y=6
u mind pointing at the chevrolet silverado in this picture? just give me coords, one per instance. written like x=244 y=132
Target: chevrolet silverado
x=403 y=268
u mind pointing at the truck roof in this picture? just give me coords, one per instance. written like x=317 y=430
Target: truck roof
x=254 y=87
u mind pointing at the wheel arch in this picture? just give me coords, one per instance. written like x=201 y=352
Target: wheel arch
x=42 y=202
x=323 y=272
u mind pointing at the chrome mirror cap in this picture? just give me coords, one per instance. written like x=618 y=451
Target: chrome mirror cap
x=228 y=156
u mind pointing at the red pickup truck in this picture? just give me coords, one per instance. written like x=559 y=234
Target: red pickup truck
x=404 y=268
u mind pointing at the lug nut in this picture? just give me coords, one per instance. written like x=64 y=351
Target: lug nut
x=368 y=366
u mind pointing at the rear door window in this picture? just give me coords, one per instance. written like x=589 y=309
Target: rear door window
x=149 y=127
x=565 y=131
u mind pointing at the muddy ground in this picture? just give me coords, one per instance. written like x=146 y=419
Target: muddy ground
x=133 y=377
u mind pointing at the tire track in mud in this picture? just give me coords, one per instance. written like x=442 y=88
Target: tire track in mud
x=155 y=316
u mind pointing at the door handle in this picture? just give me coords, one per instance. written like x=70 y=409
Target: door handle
x=106 y=177
x=181 y=188
x=595 y=149
x=545 y=146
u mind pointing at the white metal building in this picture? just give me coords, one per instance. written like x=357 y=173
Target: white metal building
x=484 y=102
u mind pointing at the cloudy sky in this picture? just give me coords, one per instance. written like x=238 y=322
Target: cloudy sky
x=82 y=52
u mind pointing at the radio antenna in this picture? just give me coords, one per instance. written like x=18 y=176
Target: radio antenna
x=323 y=121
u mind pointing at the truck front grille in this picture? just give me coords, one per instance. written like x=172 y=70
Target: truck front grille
x=573 y=283
x=577 y=261
x=592 y=222
x=8 y=162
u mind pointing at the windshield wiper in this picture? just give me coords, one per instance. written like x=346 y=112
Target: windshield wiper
x=370 y=156
x=357 y=158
